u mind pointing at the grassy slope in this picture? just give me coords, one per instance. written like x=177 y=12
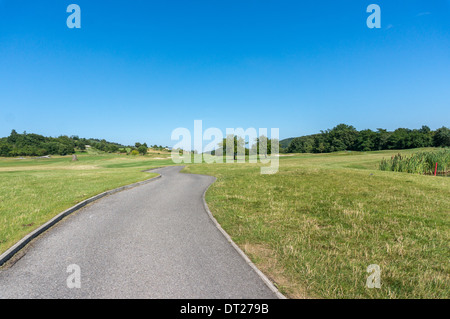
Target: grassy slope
x=316 y=226
x=34 y=190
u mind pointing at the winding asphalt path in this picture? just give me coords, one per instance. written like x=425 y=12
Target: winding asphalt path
x=151 y=241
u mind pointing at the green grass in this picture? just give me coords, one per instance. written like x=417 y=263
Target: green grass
x=313 y=228
x=35 y=190
x=316 y=226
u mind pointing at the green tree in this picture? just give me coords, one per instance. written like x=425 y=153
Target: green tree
x=365 y=141
x=112 y=148
x=399 y=139
x=341 y=137
x=441 y=137
x=303 y=144
x=80 y=145
x=5 y=149
x=13 y=137
x=381 y=139
x=235 y=143
x=142 y=149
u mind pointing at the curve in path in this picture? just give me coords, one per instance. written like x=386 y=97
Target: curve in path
x=151 y=241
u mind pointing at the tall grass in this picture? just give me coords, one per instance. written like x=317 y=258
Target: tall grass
x=419 y=163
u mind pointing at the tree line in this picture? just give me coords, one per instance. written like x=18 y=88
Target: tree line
x=345 y=137
x=38 y=145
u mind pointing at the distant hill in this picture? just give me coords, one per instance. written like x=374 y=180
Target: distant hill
x=285 y=143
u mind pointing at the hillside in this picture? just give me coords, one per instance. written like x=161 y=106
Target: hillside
x=30 y=144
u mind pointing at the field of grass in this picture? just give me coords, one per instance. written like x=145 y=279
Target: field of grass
x=32 y=191
x=316 y=226
x=313 y=228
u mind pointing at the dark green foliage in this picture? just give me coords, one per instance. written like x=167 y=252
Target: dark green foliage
x=37 y=145
x=442 y=137
x=237 y=141
x=157 y=148
x=346 y=138
x=304 y=144
x=265 y=142
x=285 y=143
x=366 y=140
x=142 y=149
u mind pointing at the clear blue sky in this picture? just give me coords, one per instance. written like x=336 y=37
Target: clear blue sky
x=136 y=70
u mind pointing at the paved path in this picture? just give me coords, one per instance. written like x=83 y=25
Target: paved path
x=151 y=241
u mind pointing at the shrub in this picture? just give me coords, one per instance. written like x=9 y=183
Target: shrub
x=142 y=149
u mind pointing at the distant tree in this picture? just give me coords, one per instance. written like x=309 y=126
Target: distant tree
x=269 y=144
x=41 y=152
x=420 y=138
x=112 y=148
x=399 y=139
x=346 y=137
x=342 y=137
x=236 y=143
x=81 y=145
x=365 y=141
x=303 y=144
x=5 y=149
x=142 y=149
x=441 y=137
x=381 y=139
x=52 y=147
x=12 y=138
x=31 y=144
x=321 y=147
x=64 y=149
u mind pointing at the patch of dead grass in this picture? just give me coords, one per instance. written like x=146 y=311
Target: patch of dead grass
x=266 y=261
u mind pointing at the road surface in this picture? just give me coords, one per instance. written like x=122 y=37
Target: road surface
x=151 y=241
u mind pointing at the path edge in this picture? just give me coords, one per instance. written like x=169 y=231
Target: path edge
x=264 y=278
x=8 y=254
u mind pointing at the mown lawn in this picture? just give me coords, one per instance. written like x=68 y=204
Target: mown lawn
x=316 y=226
x=32 y=191
x=313 y=228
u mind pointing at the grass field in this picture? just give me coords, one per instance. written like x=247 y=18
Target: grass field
x=32 y=191
x=316 y=226
x=313 y=228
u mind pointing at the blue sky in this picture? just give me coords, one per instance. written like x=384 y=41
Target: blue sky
x=136 y=70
